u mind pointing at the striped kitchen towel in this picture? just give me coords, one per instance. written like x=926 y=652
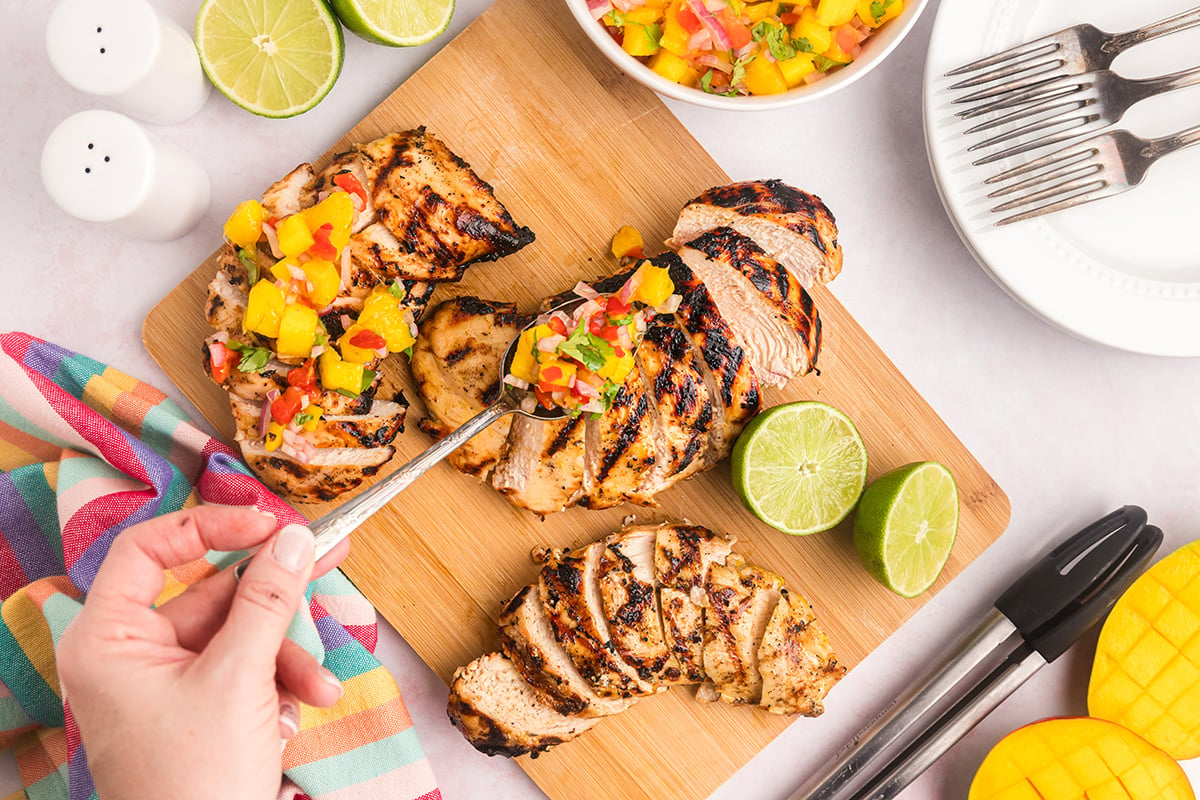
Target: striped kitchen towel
x=85 y=452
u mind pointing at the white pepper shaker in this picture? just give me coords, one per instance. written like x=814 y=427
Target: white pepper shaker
x=101 y=166
x=126 y=53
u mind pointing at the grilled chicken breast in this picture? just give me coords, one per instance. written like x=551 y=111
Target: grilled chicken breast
x=793 y=227
x=636 y=613
x=456 y=364
x=542 y=466
x=421 y=215
x=762 y=301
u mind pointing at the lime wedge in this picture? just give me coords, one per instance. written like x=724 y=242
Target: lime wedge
x=399 y=23
x=906 y=524
x=276 y=58
x=800 y=467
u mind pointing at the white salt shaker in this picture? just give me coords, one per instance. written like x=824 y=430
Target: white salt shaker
x=125 y=52
x=101 y=166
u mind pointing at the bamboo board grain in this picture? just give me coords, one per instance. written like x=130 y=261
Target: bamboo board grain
x=571 y=146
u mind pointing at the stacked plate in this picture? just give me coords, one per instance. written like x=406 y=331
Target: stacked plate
x=1124 y=271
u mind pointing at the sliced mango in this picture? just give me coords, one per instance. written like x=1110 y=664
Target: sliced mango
x=1146 y=675
x=1076 y=758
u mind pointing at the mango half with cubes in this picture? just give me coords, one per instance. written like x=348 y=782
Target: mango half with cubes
x=1146 y=675
x=1078 y=758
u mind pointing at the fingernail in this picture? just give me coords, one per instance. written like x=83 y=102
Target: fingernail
x=332 y=680
x=293 y=548
x=289 y=720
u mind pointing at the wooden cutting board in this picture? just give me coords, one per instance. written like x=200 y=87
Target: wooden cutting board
x=575 y=149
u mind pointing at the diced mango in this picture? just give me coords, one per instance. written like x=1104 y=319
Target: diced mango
x=337 y=374
x=617 y=368
x=674 y=38
x=293 y=235
x=627 y=241
x=640 y=39
x=757 y=12
x=337 y=210
x=653 y=284
x=297 y=331
x=644 y=15
x=837 y=55
x=817 y=37
x=351 y=352
x=274 y=437
x=763 y=77
x=795 y=69
x=672 y=67
x=835 y=12
x=383 y=314
x=556 y=373
x=326 y=281
x=281 y=270
x=264 y=309
x=524 y=363
x=314 y=413
x=244 y=226
x=886 y=9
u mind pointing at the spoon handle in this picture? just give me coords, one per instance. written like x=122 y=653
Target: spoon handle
x=340 y=522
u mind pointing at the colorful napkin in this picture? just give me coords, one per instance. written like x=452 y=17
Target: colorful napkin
x=85 y=452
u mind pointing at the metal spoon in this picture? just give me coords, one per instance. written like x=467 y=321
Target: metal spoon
x=340 y=522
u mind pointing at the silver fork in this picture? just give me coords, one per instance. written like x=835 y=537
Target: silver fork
x=1072 y=51
x=1067 y=107
x=1098 y=167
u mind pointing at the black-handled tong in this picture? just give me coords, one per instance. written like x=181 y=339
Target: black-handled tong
x=1034 y=622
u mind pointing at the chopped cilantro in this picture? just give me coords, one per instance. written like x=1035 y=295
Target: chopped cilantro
x=879 y=8
x=408 y=351
x=587 y=348
x=368 y=379
x=303 y=418
x=615 y=18
x=654 y=33
x=735 y=77
x=774 y=34
x=802 y=45
x=250 y=263
x=824 y=63
x=347 y=393
x=254 y=359
x=396 y=290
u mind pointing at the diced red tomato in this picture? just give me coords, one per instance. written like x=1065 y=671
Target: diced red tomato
x=688 y=19
x=543 y=397
x=287 y=406
x=303 y=377
x=551 y=374
x=616 y=308
x=739 y=34
x=558 y=326
x=609 y=333
x=596 y=323
x=322 y=247
x=368 y=340
x=222 y=359
x=347 y=181
x=847 y=37
x=271 y=222
x=789 y=18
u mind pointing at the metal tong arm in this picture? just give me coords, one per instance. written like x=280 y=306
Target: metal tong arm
x=331 y=528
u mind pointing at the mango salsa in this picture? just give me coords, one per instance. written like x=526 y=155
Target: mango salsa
x=297 y=331
x=244 y=226
x=339 y=375
x=293 y=235
x=264 y=309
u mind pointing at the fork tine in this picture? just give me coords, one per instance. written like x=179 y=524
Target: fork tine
x=1007 y=55
x=1103 y=190
x=1038 y=95
x=1063 y=177
x=1028 y=79
x=1018 y=71
x=1044 y=115
x=1045 y=141
x=1065 y=157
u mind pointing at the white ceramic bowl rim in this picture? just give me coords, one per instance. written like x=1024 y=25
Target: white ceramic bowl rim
x=875 y=50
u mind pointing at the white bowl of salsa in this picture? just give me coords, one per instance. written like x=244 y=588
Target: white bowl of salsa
x=739 y=55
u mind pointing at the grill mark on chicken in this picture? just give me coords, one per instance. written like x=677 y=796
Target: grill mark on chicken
x=565 y=433
x=748 y=198
x=627 y=434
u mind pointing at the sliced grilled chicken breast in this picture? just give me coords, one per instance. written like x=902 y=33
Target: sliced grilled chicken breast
x=290 y=193
x=724 y=363
x=791 y=226
x=683 y=632
x=683 y=555
x=456 y=364
x=630 y=602
x=527 y=638
x=541 y=467
x=741 y=598
x=376 y=428
x=796 y=660
x=500 y=714
x=680 y=409
x=620 y=448
x=773 y=316
x=328 y=473
x=435 y=205
x=570 y=590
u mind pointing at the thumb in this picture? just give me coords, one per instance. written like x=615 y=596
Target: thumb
x=266 y=599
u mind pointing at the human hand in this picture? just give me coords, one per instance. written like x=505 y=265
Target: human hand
x=193 y=699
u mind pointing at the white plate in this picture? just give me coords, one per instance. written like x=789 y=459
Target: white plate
x=1124 y=271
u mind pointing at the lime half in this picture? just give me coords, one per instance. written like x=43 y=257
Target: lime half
x=800 y=467
x=906 y=524
x=276 y=58
x=399 y=23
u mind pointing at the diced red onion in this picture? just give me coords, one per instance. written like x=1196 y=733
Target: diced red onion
x=549 y=344
x=221 y=336
x=381 y=351
x=624 y=5
x=528 y=403
x=713 y=61
x=705 y=15
x=670 y=305
x=598 y=8
x=304 y=402
x=585 y=291
x=346 y=321
x=585 y=389
x=264 y=417
x=744 y=51
x=345 y=276
x=626 y=340
x=218 y=355
x=513 y=380
x=289 y=437
x=273 y=241
x=316 y=351
x=297 y=273
x=594 y=407
x=702 y=40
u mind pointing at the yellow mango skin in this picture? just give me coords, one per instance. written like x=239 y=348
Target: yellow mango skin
x=1078 y=758
x=1146 y=675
